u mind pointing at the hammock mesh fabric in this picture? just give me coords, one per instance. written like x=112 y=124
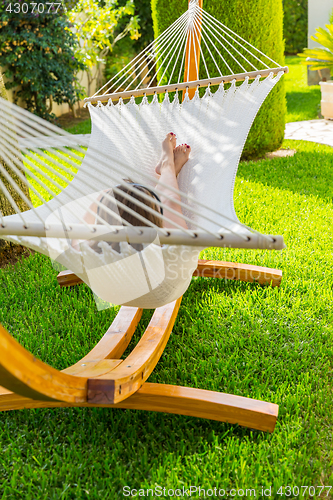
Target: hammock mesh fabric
x=126 y=143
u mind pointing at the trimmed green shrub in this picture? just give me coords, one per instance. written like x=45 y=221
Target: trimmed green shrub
x=295 y=25
x=36 y=53
x=260 y=23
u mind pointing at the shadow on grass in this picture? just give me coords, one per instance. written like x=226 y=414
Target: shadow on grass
x=308 y=172
x=307 y=104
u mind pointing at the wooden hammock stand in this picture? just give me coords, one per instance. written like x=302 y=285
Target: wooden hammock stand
x=102 y=379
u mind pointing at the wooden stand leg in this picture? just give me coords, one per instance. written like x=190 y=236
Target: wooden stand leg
x=210 y=269
x=173 y=399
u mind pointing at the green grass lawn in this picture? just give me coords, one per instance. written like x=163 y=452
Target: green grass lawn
x=269 y=343
x=303 y=101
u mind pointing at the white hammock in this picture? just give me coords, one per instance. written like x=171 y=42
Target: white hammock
x=126 y=143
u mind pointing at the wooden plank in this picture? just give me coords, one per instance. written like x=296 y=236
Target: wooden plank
x=23 y=374
x=190 y=85
x=68 y=278
x=199 y=403
x=92 y=368
x=241 y=272
x=129 y=376
x=192 y=57
x=211 y=269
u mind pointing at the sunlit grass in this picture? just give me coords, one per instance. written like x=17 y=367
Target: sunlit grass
x=269 y=343
x=50 y=172
x=303 y=101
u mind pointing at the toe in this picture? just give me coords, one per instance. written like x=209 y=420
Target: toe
x=171 y=136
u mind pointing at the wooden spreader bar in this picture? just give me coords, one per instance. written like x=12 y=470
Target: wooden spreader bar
x=185 y=85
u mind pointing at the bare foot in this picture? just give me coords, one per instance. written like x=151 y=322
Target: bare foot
x=181 y=155
x=168 y=145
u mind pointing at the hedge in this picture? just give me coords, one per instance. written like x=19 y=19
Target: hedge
x=295 y=25
x=259 y=22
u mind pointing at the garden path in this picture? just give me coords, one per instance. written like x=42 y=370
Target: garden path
x=320 y=131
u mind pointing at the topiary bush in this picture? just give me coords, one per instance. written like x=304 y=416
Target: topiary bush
x=36 y=54
x=295 y=25
x=259 y=22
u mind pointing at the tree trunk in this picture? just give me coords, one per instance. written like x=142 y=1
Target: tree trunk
x=5 y=206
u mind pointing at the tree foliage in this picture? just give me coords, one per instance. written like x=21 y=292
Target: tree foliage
x=37 y=54
x=295 y=25
x=320 y=58
x=6 y=207
x=126 y=49
x=98 y=27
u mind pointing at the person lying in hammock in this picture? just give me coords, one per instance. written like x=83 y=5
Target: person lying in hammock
x=172 y=160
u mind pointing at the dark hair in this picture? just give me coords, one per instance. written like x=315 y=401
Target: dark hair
x=114 y=206
x=112 y=201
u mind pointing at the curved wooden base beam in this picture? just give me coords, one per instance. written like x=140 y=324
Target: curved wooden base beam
x=210 y=269
x=95 y=378
x=102 y=379
x=126 y=378
x=174 y=399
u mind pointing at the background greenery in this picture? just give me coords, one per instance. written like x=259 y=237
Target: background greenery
x=319 y=58
x=126 y=49
x=37 y=54
x=303 y=101
x=295 y=25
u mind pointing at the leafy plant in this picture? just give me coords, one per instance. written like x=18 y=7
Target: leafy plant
x=295 y=25
x=37 y=54
x=126 y=49
x=98 y=27
x=320 y=58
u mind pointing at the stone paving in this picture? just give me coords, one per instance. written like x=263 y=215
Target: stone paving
x=320 y=131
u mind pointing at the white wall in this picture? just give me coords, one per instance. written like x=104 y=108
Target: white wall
x=319 y=12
